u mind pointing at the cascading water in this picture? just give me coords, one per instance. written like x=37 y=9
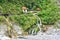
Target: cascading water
x=32 y=31
x=38 y=24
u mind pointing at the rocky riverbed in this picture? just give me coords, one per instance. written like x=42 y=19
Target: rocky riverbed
x=51 y=34
x=41 y=36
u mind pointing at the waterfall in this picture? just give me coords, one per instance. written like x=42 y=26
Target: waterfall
x=39 y=22
x=33 y=31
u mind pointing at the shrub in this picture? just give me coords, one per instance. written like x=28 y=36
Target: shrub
x=1 y=19
x=25 y=21
x=49 y=11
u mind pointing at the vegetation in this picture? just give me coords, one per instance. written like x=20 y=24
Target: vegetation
x=25 y=21
x=48 y=12
x=1 y=19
